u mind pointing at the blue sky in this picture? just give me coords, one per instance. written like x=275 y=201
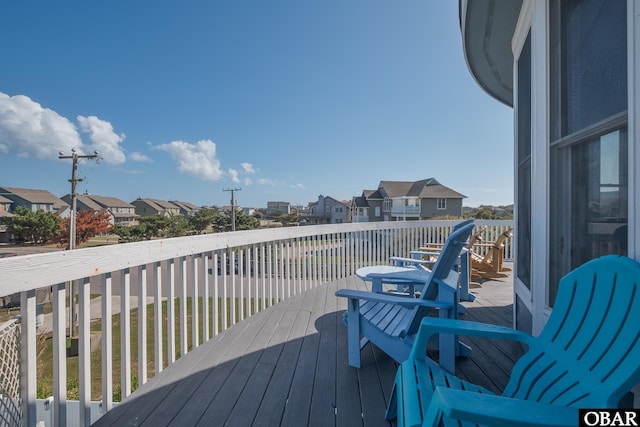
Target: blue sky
x=285 y=99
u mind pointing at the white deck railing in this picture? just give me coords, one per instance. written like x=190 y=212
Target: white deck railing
x=214 y=281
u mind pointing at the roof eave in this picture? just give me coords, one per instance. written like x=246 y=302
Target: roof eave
x=487 y=28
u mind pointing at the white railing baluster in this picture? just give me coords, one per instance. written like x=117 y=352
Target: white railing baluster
x=84 y=351
x=232 y=276
x=107 y=342
x=262 y=274
x=206 y=331
x=184 y=335
x=195 y=317
x=59 y=356
x=254 y=274
x=269 y=265
x=241 y=284
x=170 y=280
x=223 y=267
x=125 y=332
x=287 y=262
x=215 y=262
x=157 y=317
x=28 y=351
x=142 y=324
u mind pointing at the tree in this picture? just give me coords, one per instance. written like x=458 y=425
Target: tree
x=177 y=226
x=222 y=222
x=202 y=220
x=88 y=225
x=36 y=227
x=288 y=219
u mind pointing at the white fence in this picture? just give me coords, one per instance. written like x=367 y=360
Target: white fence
x=189 y=289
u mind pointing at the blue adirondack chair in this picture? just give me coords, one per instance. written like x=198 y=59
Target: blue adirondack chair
x=390 y=321
x=407 y=272
x=587 y=356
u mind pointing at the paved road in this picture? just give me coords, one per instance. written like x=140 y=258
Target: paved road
x=7 y=249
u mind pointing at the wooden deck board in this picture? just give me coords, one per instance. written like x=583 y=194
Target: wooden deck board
x=288 y=366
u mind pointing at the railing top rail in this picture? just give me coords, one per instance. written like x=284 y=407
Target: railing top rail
x=35 y=271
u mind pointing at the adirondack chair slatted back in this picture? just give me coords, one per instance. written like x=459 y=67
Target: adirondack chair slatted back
x=592 y=352
x=442 y=271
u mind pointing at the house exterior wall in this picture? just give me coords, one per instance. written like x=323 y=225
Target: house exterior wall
x=576 y=157
x=375 y=211
x=430 y=209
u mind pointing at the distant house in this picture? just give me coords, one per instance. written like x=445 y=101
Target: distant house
x=150 y=207
x=326 y=210
x=5 y=207
x=121 y=212
x=34 y=200
x=278 y=208
x=186 y=208
x=405 y=201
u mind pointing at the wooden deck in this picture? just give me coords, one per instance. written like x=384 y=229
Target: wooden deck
x=287 y=366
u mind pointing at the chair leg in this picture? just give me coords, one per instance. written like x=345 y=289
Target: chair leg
x=392 y=408
x=353 y=332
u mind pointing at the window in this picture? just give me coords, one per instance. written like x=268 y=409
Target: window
x=441 y=203
x=377 y=211
x=386 y=205
x=523 y=173
x=588 y=123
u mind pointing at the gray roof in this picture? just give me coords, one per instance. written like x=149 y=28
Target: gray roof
x=32 y=196
x=372 y=194
x=158 y=205
x=109 y=202
x=5 y=200
x=185 y=205
x=360 y=202
x=83 y=200
x=428 y=188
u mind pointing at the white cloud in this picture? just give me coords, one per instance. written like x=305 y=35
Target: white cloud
x=198 y=160
x=267 y=181
x=233 y=174
x=104 y=139
x=29 y=130
x=248 y=168
x=248 y=181
x=300 y=186
x=139 y=157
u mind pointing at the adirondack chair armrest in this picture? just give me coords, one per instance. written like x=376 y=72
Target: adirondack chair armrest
x=492 y=410
x=403 y=260
x=426 y=252
x=391 y=299
x=430 y=326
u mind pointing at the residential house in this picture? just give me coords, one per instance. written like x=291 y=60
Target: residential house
x=367 y=207
x=278 y=208
x=186 y=208
x=326 y=210
x=570 y=71
x=121 y=212
x=406 y=201
x=150 y=207
x=34 y=200
x=5 y=207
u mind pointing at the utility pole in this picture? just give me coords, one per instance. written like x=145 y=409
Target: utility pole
x=75 y=157
x=233 y=206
